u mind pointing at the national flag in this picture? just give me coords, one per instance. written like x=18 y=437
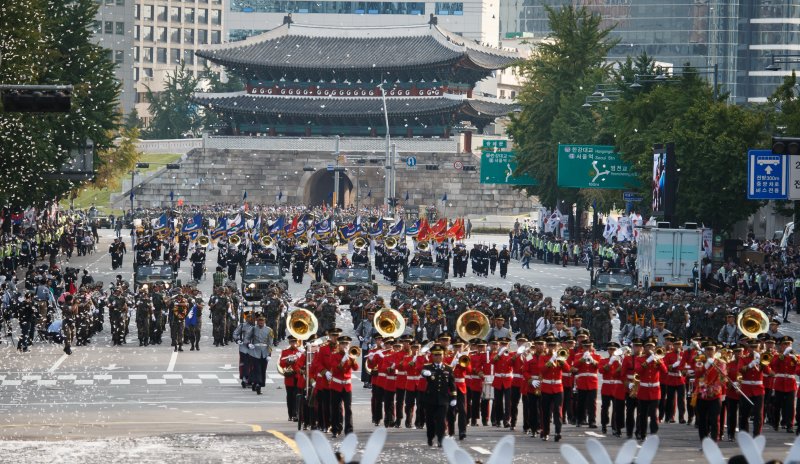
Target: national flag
x=171 y=195
x=413 y=229
x=219 y=231
x=300 y=229
x=236 y=225
x=244 y=196
x=407 y=195
x=611 y=229
x=160 y=223
x=552 y=222
x=397 y=229
x=377 y=229
x=276 y=227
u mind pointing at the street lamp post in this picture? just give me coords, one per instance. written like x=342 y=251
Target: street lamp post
x=388 y=167
x=335 y=196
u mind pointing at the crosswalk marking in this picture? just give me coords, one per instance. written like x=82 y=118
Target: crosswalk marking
x=120 y=381
x=228 y=381
x=84 y=382
x=48 y=383
x=67 y=377
x=172 y=376
x=12 y=383
x=192 y=381
x=208 y=376
x=102 y=377
x=137 y=377
x=31 y=377
x=156 y=381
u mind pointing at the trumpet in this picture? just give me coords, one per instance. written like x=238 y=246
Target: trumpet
x=766 y=359
x=354 y=353
x=562 y=355
x=464 y=361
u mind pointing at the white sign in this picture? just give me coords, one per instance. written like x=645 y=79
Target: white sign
x=458 y=165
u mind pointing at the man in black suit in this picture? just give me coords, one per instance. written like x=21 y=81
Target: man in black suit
x=439 y=394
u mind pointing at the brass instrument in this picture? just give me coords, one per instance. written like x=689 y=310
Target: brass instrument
x=267 y=241
x=423 y=246
x=766 y=358
x=562 y=355
x=354 y=353
x=389 y=323
x=659 y=352
x=473 y=324
x=752 y=322
x=301 y=324
x=203 y=241
x=464 y=361
x=359 y=243
x=235 y=240
x=303 y=241
x=390 y=243
x=333 y=241
x=635 y=388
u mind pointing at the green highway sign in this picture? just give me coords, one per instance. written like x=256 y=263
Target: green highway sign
x=594 y=167
x=498 y=168
x=494 y=144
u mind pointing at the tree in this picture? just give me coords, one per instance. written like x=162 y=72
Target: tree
x=557 y=76
x=212 y=121
x=118 y=159
x=173 y=112
x=132 y=120
x=50 y=42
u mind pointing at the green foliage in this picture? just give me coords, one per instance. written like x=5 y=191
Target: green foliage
x=558 y=76
x=132 y=120
x=118 y=160
x=174 y=115
x=50 y=42
x=214 y=122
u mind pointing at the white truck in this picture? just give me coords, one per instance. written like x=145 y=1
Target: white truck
x=668 y=257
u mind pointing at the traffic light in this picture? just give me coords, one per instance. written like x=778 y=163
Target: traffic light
x=392 y=201
x=431 y=167
x=173 y=166
x=31 y=99
x=786 y=145
x=142 y=165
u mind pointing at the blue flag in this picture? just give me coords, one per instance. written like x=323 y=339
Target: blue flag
x=397 y=229
x=413 y=229
x=349 y=231
x=160 y=223
x=236 y=225
x=323 y=228
x=406 y=195
x=276 y=226
x=244 y=195
x=171 y=195
x=132 y=195
x=369 y=194
x=219 y=231
x=193 y=225
x=377 y=230
x=444 y=198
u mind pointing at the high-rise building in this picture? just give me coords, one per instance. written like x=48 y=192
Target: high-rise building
x=113 y=30
x=737 y=36
x=166 y=33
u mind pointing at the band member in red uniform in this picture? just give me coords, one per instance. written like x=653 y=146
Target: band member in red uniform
x=731 y=404
x=320 y=372
x=533 y=376
x=288 y=362
x=585 y=366
x=689 y=355
x=611 y=368
x=649 y=372
x=461 y=368
x=412 y=368
x=518 y=385
x=752 y=384
x=475 y=385
x=391 y=359
x=709 y=387
x=374 y=360
x=400 y=391
x=302 y=409
x=784 y=367
x=628 y=378
x=551 y=368
x=675 y=380
x=568 y=406
x=341 y=387
x=503 y=375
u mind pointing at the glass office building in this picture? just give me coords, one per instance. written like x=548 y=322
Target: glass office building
x=738 y=36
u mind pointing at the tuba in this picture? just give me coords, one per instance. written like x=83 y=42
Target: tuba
x=301 y=324
x=389 y=323
x=472 y=324
x=390 y=243
x=203 y=241
x=752 y=322
x=267 y=241
x=303 y=241
x=235 y=240
x=359 y=243
x=423 y=246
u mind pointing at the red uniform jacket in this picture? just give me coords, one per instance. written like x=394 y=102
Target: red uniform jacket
x=460 y=375
x=650 y=378
x=374 y=360
x=613 y=384
x=474 y=380
x=518 y=379
x=503 y=370
x=388 y=367
x=709 y=383
x=531 y=372
x=675 y=375
x=784 y=368
x=552 y=375
x=752 y=383
x=299 y=373
x=400 y=370
x=342 y=371
x=731 y=393
x=587 y=372
x=319 y=365
x=289 y=361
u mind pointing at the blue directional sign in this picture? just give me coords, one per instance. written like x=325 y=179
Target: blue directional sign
x=330 y=167
x=411 y=161
x=767 y=175
x=631 y=197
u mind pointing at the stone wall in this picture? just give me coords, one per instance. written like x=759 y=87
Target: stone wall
x=223 y=175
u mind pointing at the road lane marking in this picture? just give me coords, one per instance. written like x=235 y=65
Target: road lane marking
x=156 y=381
x=84 y=382
x=49 y=383
x=172 y=360
x=255 y=428
x=192 y=382
x=120 y=381
x=480 y=449
x=291 y=443
x=31 y=377
x=67 y=377
x=58 y=363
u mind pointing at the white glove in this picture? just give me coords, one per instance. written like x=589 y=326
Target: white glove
x=614 y=359
x=587 y=355
x=536 y=383
x=709 y=363
x=676 y=364
x=630 y=386
x=514 y=319
x=553 y=358
x=651 y=358
x=736 y=385
x=426 y=373
x=787 y=350
x=756 y=356
x=452 y=403
x=445 y=328
x=753 y=364
x=328 y=375
x=360 y=338
x=419 y=329
x=238 y=342
x=152 y=318
x=251 y=346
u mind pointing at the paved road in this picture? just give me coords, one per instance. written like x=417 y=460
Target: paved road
x=144 y=404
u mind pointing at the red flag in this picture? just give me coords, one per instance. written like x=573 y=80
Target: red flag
x=293 y=227
x=424 y=230
x=453 y=231
x=439 y=227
